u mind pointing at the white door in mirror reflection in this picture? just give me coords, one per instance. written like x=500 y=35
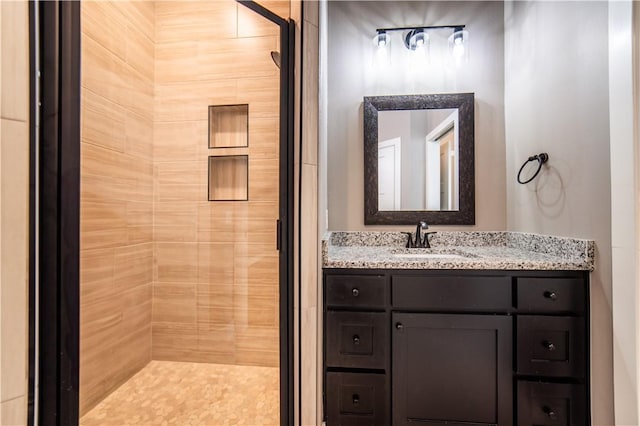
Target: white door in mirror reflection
x=389 y=156
x=442 y=166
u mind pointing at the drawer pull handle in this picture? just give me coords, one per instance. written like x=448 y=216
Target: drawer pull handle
x=399 y=326
x=551 y=295
x=356 y=339
x=549 y=345
x=355 y=292
x=355 y=398
x=550 y=412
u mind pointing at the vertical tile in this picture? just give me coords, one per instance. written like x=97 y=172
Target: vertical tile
x=192 y=20
x=133 y=265
x=177 y=262
x=116 y=195
x=251 y=24
x=15 y=51
x=310 y=95
x=279 y=7
x=309 y=365
x=14 y=255
x=14 y=412
x=309 y=237
x=174 y=303
x=311 y=12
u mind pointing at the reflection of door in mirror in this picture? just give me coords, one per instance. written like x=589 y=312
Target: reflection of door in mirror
x=442 y=165
x=389 y=155
x=446 y=170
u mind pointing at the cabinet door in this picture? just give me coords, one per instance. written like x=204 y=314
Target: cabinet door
x=452 y=369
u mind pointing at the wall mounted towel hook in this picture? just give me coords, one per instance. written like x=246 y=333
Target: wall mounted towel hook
x=541 y=158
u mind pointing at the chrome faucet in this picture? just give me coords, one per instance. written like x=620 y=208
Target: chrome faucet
x=419 y=242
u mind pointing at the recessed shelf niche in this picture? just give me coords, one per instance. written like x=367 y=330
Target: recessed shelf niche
x=229 y=178
x=228 y=126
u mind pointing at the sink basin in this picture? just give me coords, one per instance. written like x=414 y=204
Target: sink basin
x=430 y=253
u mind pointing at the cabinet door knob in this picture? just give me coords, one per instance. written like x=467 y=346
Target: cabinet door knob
x=355 y=398
x=355 y=292
x=356 y=339
x=399 y=326
x=551 y=295
x=550 y=412
x=549 y=345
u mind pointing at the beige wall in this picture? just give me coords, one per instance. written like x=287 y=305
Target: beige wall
x=557 y=101
x=116 y=206
x=624 y=80
x=311 y=315
x=14 y=191
x=215 y=293
x=351 y=76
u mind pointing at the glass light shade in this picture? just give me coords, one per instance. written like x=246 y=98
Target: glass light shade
x=381 y=39
x=416 y=39
x=382 y=50
x=459 y=46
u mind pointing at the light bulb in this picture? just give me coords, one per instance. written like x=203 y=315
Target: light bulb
x=459 y=45
x=381 y=39
x=458 y=48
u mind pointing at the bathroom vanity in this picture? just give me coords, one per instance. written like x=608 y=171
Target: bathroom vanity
x=484 y=329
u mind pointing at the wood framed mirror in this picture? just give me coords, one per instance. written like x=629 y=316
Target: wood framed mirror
x=419 y=159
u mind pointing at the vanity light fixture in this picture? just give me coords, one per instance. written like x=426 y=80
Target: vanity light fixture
x=417 y=38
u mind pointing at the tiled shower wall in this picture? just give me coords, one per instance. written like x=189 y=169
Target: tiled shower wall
x=116 y=212
x=14 y=215
x=166 y=274
x=215 y=295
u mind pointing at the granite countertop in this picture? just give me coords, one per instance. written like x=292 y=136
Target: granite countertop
x=458 y=250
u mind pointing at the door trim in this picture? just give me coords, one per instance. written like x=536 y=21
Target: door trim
x=55 y=177
x=57 y=185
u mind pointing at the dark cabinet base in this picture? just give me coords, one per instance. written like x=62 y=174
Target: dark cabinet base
x=456 y=368
x=456 y=348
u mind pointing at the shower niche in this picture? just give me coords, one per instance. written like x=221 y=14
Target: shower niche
x=229 y=178
x=229 y=126
x=228 y=174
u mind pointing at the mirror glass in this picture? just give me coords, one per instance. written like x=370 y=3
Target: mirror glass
x=419 y=159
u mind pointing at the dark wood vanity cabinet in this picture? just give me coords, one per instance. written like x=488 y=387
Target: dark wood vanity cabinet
x=456 y=347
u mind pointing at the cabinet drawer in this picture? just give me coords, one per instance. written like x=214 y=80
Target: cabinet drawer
x=551 y=346
x=451 y=293
x=357 y=339
x=551 y=404
x=356 y=399
x=366 y=291
x=551 y=295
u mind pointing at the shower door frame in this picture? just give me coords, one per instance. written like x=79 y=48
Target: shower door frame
x=54 y=212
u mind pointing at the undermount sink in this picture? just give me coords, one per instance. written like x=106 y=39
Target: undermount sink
x=430 y=253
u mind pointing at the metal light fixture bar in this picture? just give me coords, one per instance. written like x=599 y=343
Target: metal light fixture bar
x=429 y=27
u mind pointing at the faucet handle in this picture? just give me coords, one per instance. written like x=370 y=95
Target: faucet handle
x=410 y=243
x=425 y=242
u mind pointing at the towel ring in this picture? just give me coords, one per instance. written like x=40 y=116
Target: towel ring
x=541 y=158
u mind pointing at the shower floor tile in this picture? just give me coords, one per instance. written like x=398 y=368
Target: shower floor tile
x=184 y=393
